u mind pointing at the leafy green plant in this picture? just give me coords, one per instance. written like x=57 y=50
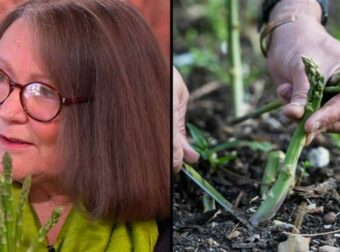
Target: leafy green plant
x=204 y=39
x=335 y=138
x=278 y=192
x=201 y=145
x=210 y=153
x=11 y=218
x=213 y=193
x=303 y=169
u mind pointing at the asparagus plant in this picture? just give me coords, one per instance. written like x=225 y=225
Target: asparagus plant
x=279 y=191
x=7 y=201
x=235 y=58
x=45 y=229
x=271 y=170
x=275 y=105
x=11 y=220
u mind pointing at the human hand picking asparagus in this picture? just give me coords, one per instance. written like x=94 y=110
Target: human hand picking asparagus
x=279 y=191
x=286 y=68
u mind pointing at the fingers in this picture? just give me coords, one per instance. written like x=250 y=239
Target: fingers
x=182 y=150
x=285 y=91
x=327 y=118
x=295 y=108
x=311 y=136
x=181 y=147
x=177 y=149
x=190 y=155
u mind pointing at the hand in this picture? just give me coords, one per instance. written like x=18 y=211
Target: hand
x=181 y=147
x=305 y=36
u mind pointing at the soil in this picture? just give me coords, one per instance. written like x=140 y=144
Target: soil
x=239 y=180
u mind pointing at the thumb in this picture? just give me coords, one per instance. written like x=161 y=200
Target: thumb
x=296 y=107
x=177 y=150
x=285 y=91
x=190 y=155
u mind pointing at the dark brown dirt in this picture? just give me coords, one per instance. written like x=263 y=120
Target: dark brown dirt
x=198 y=231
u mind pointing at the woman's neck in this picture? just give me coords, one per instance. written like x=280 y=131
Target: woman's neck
x=44 y=200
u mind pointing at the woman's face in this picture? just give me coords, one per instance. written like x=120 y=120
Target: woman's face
x=32 y=144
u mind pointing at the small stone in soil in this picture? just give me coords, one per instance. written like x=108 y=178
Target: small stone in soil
x=234 y=235
x=328 y=248
x=327 y=226
x=254 y=238
x=282 y=224
x=214 y=224
x=319 y=157
x=274 y=124
x=330 y=218
x=211 y=242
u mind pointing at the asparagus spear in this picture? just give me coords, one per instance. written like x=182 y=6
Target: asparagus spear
x=286 y=177
x=19 y=212
x=3 y=231
x=275 y=159
x=45 y=229
x=7 y=201
x=10 y=231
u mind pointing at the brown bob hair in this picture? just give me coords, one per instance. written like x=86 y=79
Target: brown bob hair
x=115 y=150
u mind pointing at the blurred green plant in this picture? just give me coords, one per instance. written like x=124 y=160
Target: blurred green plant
x=207 y=43
x=335 y=138
x=11 y=218
x=210 y=153
x=303 y=169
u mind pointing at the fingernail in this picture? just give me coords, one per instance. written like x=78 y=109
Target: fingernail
x=309 y=138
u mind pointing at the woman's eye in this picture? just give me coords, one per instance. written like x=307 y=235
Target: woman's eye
x=2 y=77
x=44 y=92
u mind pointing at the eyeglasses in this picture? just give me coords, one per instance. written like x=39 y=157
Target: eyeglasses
x=40 y=101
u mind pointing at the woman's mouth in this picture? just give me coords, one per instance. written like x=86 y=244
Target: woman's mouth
x=14 y=143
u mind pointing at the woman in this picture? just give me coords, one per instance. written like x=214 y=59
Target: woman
x=84 y=110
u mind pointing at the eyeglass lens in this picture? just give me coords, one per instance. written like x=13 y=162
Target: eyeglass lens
x=40 y=101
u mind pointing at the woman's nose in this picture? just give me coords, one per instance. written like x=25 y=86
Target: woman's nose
x=11 y=110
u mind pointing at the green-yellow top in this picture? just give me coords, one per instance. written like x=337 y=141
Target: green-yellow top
x=80 y=234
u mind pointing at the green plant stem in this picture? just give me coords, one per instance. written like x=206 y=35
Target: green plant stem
x=26 y=186
x=235 y=58
x=282 y=185
x=209 y=189
x=332 y=90
x=276 y=104
x=208 y=203
x=266 y=108
x=45 y=229
x=275 y=159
